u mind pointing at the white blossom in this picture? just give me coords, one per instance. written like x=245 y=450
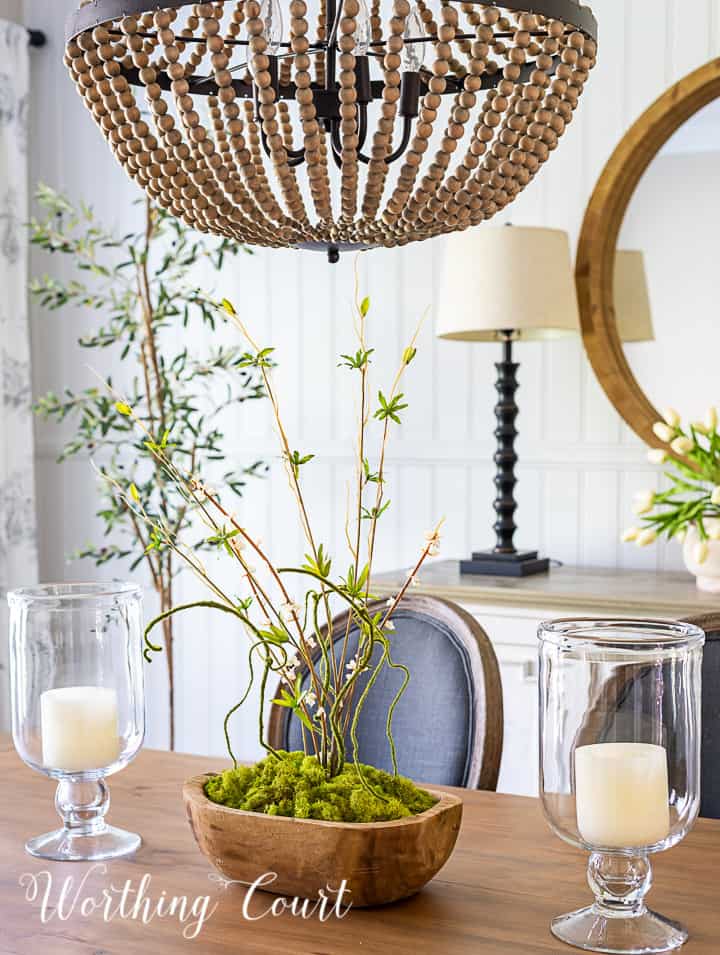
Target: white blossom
x=310 y=698
x=320 y=711
x=713 y=529
x=646 y=537
x=711 y=419
x=289 y=675
x=289 y=610
x=389 y=625
x=644 y=502
x=671 y=417
x=663 y=432
x=657 y=456
x=715 y=497
x=630 y=534
x=700 y=552
x=682 y=445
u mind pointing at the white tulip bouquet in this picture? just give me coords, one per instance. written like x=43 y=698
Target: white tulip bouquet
x=692 y=500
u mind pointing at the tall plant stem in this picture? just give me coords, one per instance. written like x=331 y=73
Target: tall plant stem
x=155 y=398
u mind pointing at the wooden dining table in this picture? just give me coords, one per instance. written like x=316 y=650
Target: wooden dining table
x=508 y=877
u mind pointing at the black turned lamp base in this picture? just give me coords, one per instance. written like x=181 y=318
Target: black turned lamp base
x=491 y=564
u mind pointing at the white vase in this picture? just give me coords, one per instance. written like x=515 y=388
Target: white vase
x=707 y=574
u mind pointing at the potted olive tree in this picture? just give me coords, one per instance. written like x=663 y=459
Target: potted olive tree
x=135 y=287
x=316 y=817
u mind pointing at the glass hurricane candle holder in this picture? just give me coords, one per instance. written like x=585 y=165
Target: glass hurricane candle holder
x=620 y=765
x=78 y=705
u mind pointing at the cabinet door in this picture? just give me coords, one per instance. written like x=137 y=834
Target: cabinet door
x=519 y=767
x=513 y=634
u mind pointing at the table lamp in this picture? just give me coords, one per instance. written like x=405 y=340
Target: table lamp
x=506 y=285
x=632 y=300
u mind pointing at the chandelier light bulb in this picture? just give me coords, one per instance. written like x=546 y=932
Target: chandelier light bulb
x=413 y=54
x=363 y=31
x=273 y=27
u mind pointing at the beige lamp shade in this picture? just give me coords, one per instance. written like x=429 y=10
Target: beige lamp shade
x=632 y=301
x=513 y=277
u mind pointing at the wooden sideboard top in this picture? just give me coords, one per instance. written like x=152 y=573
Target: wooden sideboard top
x=585 y=590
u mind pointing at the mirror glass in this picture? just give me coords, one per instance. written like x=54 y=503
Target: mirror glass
x=667 y=275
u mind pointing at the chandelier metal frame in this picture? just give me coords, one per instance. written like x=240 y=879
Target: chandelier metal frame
x=109 y=44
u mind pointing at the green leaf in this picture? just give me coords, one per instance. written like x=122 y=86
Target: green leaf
x=123 y=409
x=360 y=360
x=390 y=409
x=408 y=355
x=303 y=719
x=275 y=635
x=297 y=461
x=365 y=306
x=229 y=307
x=321 y=566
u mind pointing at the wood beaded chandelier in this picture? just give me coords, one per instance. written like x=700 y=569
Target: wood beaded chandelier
x=243 y=120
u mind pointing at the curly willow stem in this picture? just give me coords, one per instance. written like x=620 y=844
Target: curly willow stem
x=233 y=710
x=213 y=604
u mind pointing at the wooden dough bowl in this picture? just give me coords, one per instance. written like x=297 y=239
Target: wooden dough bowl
x=382 y=862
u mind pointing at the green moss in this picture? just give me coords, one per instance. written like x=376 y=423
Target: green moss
x=296 y=785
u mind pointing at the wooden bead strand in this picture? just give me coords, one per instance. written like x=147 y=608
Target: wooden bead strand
x=378 y=169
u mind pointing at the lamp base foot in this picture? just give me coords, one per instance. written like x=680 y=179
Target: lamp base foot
x=492 y=564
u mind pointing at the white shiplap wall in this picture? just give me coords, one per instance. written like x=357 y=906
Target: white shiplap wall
x=580 y=465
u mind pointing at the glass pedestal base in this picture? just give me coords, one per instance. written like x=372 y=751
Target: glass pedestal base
x=594 y=931
x=619 y=922
x=85 y=837
x=67 y=846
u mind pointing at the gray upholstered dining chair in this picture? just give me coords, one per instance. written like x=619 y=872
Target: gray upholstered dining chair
x=448 y=726
x=710 y=772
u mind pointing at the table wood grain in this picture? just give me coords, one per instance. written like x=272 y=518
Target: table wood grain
x=507 y=878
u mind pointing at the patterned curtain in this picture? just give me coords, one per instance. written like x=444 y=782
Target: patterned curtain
x=18 y=550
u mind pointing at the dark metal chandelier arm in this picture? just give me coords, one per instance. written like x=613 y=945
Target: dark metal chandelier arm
x=362 y=126
x=405 y=139
x=207 y=85
x=295 y=157
x=320 y=46
x=335 y=144
x=407 y=132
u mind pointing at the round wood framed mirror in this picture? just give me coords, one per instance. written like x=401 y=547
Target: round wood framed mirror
x=598 y=244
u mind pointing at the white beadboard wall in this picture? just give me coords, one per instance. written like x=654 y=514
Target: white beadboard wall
x=579 y=465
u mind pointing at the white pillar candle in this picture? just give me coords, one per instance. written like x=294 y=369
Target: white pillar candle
x=79 y=728
x=622 y=795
